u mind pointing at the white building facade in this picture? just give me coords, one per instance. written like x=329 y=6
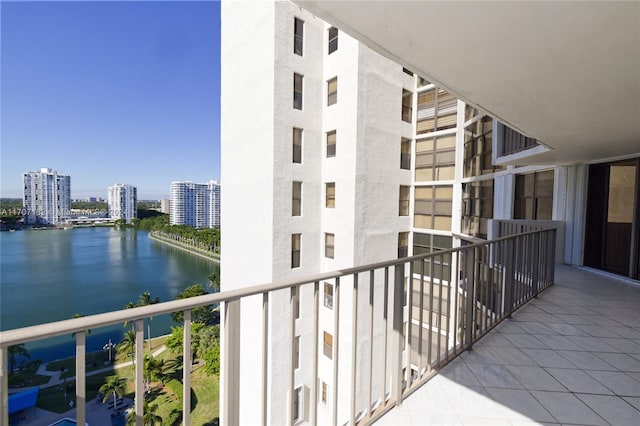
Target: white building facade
x=195 y=204
x=122 y=199
x=47 y=197
x=319 y=161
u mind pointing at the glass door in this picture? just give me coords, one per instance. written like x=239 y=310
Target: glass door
x=613 y=229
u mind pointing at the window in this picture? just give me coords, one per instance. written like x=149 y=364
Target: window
x=296 y=199
x=477 y=148
x=403 y=244
x=429 y=243
x=511 y=141
x=296 y=352
x=329 y=245
x=328 y=295
x=328 y=345
x=435 y=158
x=297 y=145
x=404 y=200
x=332 y=91
x=324 y=393
x=330 y=195
x=298 y=32
x=437 y=110
x=477 y=207
x=432 y=207
x=295 y=250
x=333 y=40
x=297 y=405
x=297 y=91
x=534 y=196
x=295 y=298
x=405 y=154
x=406 y=106
x=331 y=144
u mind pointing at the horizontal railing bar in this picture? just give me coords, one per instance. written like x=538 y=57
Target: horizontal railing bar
x=59 y=328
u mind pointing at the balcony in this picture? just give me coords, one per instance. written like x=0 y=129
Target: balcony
x=574 y=346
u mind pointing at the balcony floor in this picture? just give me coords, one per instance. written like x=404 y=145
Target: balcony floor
x=572 y=356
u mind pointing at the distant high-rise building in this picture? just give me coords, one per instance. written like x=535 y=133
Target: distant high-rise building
x=195 y=204
x=165 y=206
x=47 y=197
x=122 y=201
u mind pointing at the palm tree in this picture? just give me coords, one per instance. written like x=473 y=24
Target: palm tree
x=149 y=418
x=16 y=351
x=153 y=370
x=128 y=343
x=144 y=300
x=114 y=386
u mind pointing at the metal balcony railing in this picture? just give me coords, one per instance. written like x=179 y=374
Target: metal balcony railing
x=421 y=311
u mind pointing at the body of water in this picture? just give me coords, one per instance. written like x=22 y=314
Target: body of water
x=51 y=275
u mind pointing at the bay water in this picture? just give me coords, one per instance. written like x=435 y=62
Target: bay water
x=51 y=275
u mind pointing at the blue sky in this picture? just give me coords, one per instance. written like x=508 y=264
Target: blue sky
x=110 y=92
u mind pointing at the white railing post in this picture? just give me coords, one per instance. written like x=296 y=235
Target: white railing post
x=186 y=369
x=81 y=390
x=4 y=386
x=354 y=346
x=230 y=364
x=314 y=356
x=265 y=357
x=139 y=372
x=397 y=313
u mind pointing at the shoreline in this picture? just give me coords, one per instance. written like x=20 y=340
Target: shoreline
x=183 y=247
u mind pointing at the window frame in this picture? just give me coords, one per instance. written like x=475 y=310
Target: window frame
x=332 y=94
x=298 y=89
x=328 y=295
x=296 y=243
x=298 y=36
x=330 y=195
x=296 y=198
x=296 y=137
x=332 y=40
x=332 y=139
x=329 y=249
x=327 y=344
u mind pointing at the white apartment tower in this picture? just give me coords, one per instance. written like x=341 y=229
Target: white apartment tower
x=122 y=201
x=47 y=197
x=311 y=141
x=195 y=204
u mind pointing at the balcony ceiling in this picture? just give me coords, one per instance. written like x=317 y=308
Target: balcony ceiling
x=566 y=73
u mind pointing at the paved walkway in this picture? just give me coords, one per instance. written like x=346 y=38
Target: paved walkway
x=572 y=356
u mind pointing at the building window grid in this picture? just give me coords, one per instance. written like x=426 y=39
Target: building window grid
x=324 y=393
x=327 y=345
x=295 y=250
x=333 y=40
x=329 y=245
x=330 y=195
x=435 y=158
x=437 y=110
x=298 y=80
x=298 y=34
x=403 y=244
x=478 y=148
x=405 y=154
x=477 y=207
x=332 y=91
x=432 y=207
x=331 y=143
x=404 y=200
x=534 y=196
x=297 y=145
x=296 y=199
x=514 y=141
x=407 y=108
x=328 y=295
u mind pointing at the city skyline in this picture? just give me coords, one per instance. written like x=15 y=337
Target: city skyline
x=110 y=90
